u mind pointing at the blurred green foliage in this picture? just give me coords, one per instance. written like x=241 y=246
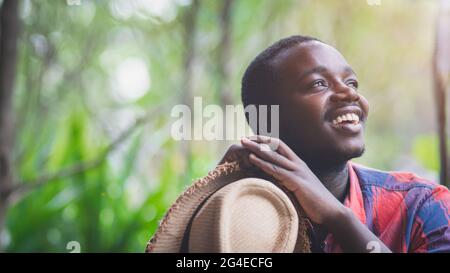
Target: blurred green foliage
x=87 y=72
x=426 y=150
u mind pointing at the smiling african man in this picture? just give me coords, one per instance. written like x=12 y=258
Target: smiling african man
x=322 y=117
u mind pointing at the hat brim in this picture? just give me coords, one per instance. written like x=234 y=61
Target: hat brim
x=249 y=215
x=169 y=237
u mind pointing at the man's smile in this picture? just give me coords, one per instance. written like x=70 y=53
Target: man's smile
x=348 y=119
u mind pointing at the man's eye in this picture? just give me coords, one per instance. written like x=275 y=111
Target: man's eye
x=319 y=83
x=353 y=84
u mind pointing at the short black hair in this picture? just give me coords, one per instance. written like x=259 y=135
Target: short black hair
x=260 y=77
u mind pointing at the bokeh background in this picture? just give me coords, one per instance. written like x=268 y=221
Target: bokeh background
x=96 y=81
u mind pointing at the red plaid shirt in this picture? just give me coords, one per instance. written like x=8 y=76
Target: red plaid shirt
x=406 y=212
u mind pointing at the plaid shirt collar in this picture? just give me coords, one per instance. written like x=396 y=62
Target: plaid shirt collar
x=354 y=201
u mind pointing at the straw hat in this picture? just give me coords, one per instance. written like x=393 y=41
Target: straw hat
x=226 y=211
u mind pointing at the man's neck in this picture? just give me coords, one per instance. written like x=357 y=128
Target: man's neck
x=335 y=179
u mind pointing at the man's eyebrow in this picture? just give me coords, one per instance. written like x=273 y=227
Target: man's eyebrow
x=317 y=69
x=348 y=69
x=321 y=69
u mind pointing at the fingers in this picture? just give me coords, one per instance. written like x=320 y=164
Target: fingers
x=279 y=173
x=236 y=152
x=276 y=145
x=264 y=152
x=269 y=168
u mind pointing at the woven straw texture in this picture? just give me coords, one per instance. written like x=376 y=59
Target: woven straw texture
x=172 y=229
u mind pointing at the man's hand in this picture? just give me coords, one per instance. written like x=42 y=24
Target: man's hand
x=319 y=204
x=275 y=158
x=239 y=153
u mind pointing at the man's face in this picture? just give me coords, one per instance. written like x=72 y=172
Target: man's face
x=322 y=116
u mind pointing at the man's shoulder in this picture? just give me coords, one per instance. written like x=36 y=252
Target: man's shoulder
x=406 y=206
x=392 y=180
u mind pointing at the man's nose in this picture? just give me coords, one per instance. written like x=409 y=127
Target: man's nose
x=344 y=92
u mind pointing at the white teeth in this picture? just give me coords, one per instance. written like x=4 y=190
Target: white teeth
x=346 y=117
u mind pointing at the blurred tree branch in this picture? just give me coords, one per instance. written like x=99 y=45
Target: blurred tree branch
x=9 y=31
x=224 y=54
x=441 y=73
x=190 y=31
x=224 y=69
